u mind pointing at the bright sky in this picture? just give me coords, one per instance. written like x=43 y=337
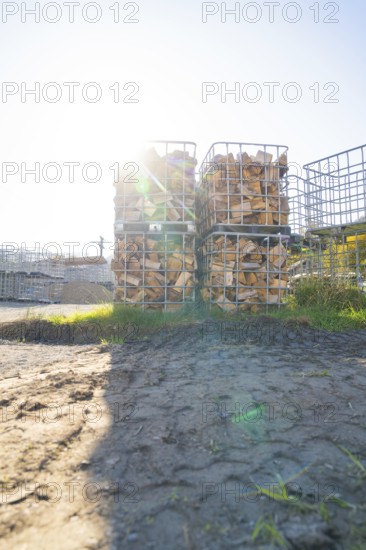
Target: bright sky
x=169 y=53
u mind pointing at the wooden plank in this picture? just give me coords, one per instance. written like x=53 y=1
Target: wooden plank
x=251 y=278
x=249 y=265
x=246 y=294
x=278 y=255
x=130 y=279
x=258 y=204
x=225 y=304
x=255 y=187
x=182 y=280
x=263 y=157
x=172 y=214
x=149 y=264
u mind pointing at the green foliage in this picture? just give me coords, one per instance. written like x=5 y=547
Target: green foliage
x=266 y=529
x=321 y=291
x=317 y=303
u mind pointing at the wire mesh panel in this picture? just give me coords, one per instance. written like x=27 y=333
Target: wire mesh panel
x=8 y=286
x=337 y=258
x=155 y=270
x=336 y=190
x=242 y=184
x=27 y=275
x=297 y=200
x=244 y=272
x=29 y=288
x=30 y=261
x=159 y=186
x=100 y=274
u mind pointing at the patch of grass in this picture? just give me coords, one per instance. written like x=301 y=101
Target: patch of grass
x=123 y=315
x=266 y=529
x=174 y=495
x=213 y=446
x=361 y=468
x=328 y=318
x=321 y=291
x=324 y=512
x=341 y=309
x=30 y=315
x=316 y=374
x=279 y=493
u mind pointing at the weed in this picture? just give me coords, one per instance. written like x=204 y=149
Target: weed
x=213 y=446
x=267 y=530
x=174 y=495
x=361 y=468
x=316 y=374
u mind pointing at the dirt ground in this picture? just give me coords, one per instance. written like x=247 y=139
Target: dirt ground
x=181 y=440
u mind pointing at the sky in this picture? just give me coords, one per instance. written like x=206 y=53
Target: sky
x=171 y=52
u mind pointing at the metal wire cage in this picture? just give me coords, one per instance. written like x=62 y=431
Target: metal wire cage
x=244 y=271
x=297 y=201
x=242 y=184
x=27 y=275
x=339 y=258
x=336 y=191
x=159 y=186
x=155 y=270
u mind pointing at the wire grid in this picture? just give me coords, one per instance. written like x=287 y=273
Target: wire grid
x=29 y=288
x=160 y=187
x=242 y=184
x=31 y=261
x=339 y=258
x=99 y=274
x=27 y=275
x=155 y=270
x=297 y=200
x=244 y=271
x=336 y=190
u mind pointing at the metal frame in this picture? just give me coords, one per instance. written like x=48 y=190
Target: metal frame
x=174 y=192
x=335 y=192
x=230 y=254
x=215 y=207
x=340 y=257
x=25 y=275
x=99 y=274
x=131 y=254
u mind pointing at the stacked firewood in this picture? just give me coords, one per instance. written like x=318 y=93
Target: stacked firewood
x=157 y=188
x=155 y=269
x=241 y=273
x=246 y=191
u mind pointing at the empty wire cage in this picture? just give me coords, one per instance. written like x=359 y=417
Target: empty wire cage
x=297 y=201
x=336 y=190
x=339 y=258
x=159 y=186
x=242 y=184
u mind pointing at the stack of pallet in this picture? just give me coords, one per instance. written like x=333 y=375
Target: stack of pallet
x=29 y=275
x=243 y=224
x=155 y=253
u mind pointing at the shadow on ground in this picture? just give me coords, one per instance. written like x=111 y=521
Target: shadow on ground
x=209 y=421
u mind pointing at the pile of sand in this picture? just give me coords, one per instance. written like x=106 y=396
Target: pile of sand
x=85 y=293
